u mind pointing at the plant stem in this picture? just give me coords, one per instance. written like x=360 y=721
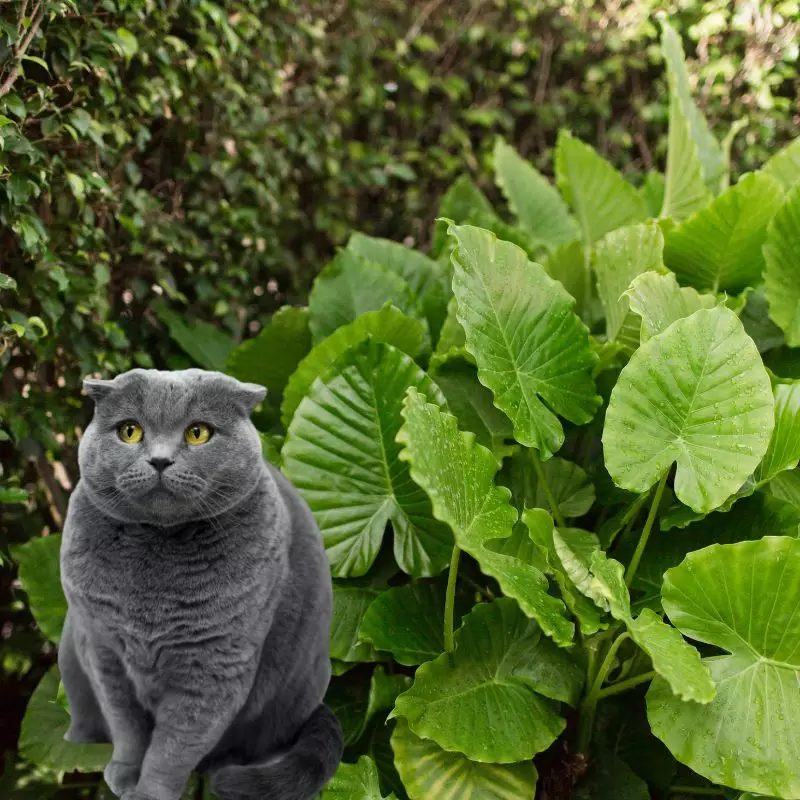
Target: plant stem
x=449 y=599
x=645 y=535
x=548 y=492
x=589 y=704
x=624 y=686
x=628 y=518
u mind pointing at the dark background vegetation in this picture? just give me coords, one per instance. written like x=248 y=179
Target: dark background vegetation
x=206 y=158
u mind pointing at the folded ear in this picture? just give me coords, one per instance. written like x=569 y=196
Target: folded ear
x=97 y=389
x=250 y=394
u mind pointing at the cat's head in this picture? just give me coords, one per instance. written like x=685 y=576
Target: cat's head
x=166 y=448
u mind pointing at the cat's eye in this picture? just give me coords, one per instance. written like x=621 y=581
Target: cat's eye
x=198 y=433
x=130 y=432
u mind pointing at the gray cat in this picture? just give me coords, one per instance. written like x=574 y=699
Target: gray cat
x=199 y=597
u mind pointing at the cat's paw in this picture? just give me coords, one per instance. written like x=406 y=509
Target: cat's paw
x=84 y=735
x=121 y=778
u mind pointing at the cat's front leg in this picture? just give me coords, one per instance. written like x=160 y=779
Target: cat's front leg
x=188 y=724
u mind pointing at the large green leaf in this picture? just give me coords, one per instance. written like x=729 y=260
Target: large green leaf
x=429 y=772
x=41 y=739
x=569 y=265
x=696 y=394
x=526 y=340
x=387 y=325
x=618 y=258
x=784 y=447
x=407 y=621
x=423 y=275
x=536 y=204
x=659 y=301
x=207 y=345
x=271 y=357
x=357 y=781
x=709 y=151
x=601 y=579
x=350 y=286
x=600 y=197
x=785 y=165
x=40 y=576
x=782 y=274
x=350 y=603
x=502 y=668
x=340 y=452
x=719 y=247
x=458 y=474
x=743 y=598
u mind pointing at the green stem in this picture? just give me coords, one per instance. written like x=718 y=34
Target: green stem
x=645 y=535
x=589 y=704
x=708 y=791
x=624 y=686
x=449 y=599
x=628 y=518
x=548 y=492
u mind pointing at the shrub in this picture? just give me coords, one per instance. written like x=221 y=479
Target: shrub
x=487 y=435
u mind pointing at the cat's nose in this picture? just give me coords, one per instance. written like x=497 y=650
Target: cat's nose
x=161 y=463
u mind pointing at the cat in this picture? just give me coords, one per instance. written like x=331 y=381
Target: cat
x=199 y=597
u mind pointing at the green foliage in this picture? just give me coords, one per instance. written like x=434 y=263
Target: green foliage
x=505 y=404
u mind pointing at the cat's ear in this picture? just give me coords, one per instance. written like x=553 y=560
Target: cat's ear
x=97 y=389
x=250 y=394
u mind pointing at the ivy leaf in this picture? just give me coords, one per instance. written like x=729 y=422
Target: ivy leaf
x=742 y=598
x=525 y=338
x=388 y=325
x=428 y=771
x=503 y=664
x=660 y=301
x=618 y=258
x=350 y=603
x=40 y=576
x=719 y=247
x=357 y=781
x=536 y=204
x=272 y=357
x=785 y=165
x=782 y=275
x=600 y=197
x=341 y=454
x=458 y=476
x=41 y=739
x=350 y=286
x=696 y=394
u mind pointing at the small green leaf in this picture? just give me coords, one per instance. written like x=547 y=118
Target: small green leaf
x=13 y=494
x=206 y=344
x=430 y=772
x=340 y=452
x=463 y=203
x=782 y=275
x=350 y=286
x=536 y=204
x=127 y=42
x=784 y=447
x=742 y=598
x=785 y=165
x=357 y=781
x=719 y=247
x=388 y=325
x=600 y=197
x=569 y=265
x=458 y=476
x=526 y=340
x=350 y=603
x=501 y=661
x=696 y=394
x=7 y=283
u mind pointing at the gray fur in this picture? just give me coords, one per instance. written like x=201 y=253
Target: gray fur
x=199 y=610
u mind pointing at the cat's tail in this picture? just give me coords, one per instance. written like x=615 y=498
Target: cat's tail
x=297 y=774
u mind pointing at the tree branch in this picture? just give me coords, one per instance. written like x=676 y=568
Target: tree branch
x=20 y=49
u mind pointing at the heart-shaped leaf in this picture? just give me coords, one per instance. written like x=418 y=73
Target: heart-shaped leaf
x=743 y=598
x=536 y=204
x=618 y=258
x=341 y=454
x=569 y=264
x=350 y=286
x=430 y=772
x=350 y=603
x=388 y=325
x=458 y=476
x=502 y=663
x=696 y=394
x=785 y=165
x=782 y=276
x=600 y=197
x=525 y=338
x=719 y=247
x=357 y=781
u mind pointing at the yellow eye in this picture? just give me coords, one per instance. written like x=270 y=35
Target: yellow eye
x=197 y=433
x=130 y=432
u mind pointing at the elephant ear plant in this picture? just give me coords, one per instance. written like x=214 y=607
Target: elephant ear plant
x=554 y=463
